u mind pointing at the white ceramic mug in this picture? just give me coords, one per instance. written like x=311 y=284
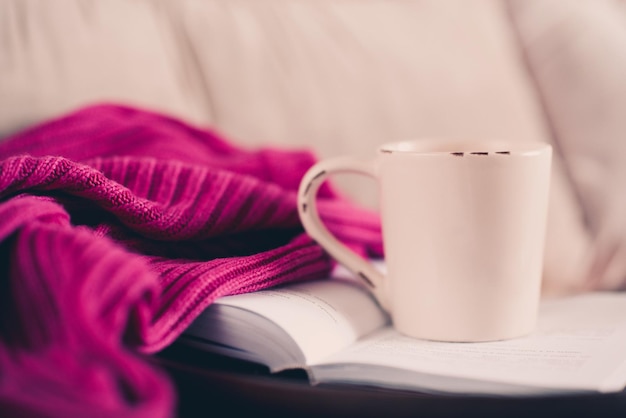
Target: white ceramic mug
x=463 y=232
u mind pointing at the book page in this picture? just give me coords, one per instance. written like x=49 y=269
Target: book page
x=578 y=345
x=322 y=317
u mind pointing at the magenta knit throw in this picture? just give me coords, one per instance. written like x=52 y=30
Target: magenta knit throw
x=117 y=228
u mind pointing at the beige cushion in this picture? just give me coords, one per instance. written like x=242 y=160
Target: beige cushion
x=341 y=76
x=57 y=55
x=577 y=52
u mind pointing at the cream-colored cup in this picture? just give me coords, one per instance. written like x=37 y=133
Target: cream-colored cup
x=463 y=231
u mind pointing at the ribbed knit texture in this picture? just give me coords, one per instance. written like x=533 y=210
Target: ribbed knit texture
x=118 y=226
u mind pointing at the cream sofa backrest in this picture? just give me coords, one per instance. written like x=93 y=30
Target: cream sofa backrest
x=339 y=76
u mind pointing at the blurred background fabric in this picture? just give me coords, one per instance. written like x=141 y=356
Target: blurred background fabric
x=344 y=76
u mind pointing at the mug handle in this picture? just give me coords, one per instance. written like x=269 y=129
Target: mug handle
x=309 y=216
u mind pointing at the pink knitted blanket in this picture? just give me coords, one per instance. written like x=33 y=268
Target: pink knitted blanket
x=117 y=228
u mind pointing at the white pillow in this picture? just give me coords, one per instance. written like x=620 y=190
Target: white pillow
x=577 y=51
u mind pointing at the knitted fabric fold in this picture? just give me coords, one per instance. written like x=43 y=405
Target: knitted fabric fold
x=118 y=226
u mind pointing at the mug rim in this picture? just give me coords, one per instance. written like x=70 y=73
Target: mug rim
x=459 y=147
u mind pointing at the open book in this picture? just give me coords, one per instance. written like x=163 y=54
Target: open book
x=336 y=332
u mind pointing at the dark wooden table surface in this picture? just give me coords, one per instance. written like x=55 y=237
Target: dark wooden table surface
x=215 y=386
